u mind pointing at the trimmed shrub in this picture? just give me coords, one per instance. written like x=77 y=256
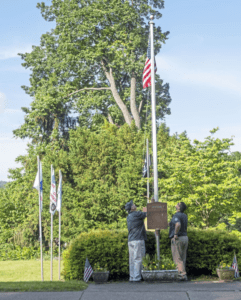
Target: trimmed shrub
x=206 y=249
x=108 y=247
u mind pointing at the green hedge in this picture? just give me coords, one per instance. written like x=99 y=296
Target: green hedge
x=206 y=249
x=11 y=252
x=104 y=246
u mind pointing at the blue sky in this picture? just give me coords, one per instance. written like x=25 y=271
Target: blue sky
x=201 y=61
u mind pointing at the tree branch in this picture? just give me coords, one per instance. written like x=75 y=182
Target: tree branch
x=134 y=110
x=141 y=106
x=103 y=88
x=116 y=96
x=110 y=119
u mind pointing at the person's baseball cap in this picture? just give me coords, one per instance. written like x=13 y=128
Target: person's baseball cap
x=128 y=206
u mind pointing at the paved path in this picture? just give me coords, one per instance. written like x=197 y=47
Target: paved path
x=141 y=291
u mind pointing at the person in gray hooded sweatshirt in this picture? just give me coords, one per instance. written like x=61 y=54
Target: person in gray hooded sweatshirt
x=136 y=240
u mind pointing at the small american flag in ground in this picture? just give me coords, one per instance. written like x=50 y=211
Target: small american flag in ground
x=235 y=266
x=146 y=79
x=88 y=270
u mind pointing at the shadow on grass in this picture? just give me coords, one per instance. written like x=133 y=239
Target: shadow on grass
x=43 y=286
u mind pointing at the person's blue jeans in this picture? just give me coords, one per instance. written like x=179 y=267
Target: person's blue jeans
x=137 y=250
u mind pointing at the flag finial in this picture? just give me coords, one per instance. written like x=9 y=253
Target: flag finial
x=151 y=17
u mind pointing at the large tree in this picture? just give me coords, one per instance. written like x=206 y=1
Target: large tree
x=92 y=63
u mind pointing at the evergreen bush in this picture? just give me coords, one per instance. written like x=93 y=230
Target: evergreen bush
x=206 y=249
x=108 y=247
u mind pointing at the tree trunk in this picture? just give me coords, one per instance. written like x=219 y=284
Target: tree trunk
x=134 y=110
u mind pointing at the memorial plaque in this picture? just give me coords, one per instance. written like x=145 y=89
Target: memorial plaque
x=157 y=215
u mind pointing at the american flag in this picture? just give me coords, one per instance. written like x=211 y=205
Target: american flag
x=146 y=79
x=88 y=270
x=235 y=266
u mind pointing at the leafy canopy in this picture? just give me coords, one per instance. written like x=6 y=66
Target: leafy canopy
x=98 y=47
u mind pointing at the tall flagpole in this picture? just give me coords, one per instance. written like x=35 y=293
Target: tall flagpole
x=154 y=143
x=51 y=242
x=148 y=172
x=59 y=226
x=59 y=240
x=40 y=223
x=51 y=264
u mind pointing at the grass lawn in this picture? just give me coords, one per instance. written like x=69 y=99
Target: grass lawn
x=25 y=275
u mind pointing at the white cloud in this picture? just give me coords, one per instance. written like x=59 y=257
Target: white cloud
x=201 y=73
x=12 y=51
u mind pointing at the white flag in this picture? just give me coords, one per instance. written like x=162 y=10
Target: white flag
x=37 y=182
x=53 y=200
x=59 y=202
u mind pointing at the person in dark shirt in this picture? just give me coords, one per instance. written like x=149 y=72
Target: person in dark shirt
x=136 y=240
x=179 y=239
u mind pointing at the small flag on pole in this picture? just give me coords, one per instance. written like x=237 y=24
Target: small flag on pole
x=235 y=266
x=59 y=201
x=88 y=270
x=144 y=170
x=146 y=78
x=53 y=200
x=39 y=179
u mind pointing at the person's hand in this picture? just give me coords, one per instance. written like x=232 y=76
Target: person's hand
x=175 y=237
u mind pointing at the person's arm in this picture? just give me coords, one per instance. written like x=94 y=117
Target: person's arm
x=141 y=215
x=177 y=228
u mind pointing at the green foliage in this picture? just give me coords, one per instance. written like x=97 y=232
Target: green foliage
x=200 y=175
x=102 y=170
x=2 y=183
x=163 y=263
x=18 y=253
x=97 y=267
x=206 y=249
x=95 y=44
x=106 y=247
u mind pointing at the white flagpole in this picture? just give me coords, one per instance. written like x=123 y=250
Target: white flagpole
x=154 y=143
x=51 y=242
x=59 y=240
x=59 y=230
x=51 y=264
x=148 y=171
x=40 y=223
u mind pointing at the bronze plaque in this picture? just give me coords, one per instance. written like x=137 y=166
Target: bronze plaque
x=157 y=215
